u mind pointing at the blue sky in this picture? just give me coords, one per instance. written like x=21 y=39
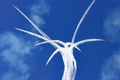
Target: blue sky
x=20 y=60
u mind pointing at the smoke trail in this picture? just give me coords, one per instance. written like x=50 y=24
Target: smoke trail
x=70 y=66
x=81 y=20
x=33 y=24
x=67 y=55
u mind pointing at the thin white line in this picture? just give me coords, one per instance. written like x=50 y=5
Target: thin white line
x=81 y=20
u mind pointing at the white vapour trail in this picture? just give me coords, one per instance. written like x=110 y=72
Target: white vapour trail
x=67 y=55
x=66 y=50
x=81 y=20
x=34 y=25
x=70 y=65
x=39 y=36
x=44 y=42
x=87 y=40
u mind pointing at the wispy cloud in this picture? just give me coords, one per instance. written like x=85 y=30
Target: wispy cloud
x=112 y=26
x=14 y=51
x=38 y=9
x=111 y=70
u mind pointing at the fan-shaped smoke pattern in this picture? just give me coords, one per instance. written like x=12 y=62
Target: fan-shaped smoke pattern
x=66 y=51
x=70 y=66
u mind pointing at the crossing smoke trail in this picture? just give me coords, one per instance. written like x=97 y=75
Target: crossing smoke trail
x=81 y=20
x=66 y=50
x=69 y=61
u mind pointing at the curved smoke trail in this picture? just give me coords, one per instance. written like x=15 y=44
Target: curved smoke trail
x=70 y=65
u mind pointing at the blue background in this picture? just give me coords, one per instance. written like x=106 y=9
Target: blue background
x=60 y=23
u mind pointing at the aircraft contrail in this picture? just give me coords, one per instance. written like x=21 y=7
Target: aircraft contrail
x=34 y=25
x=66 y=50
x=81 y=20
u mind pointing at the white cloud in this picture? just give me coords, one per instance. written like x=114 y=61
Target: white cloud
x=14 y=76
x=112 y=25
x=37 y=19
x=13 y=52
x=38 y=9
x=111 y=70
